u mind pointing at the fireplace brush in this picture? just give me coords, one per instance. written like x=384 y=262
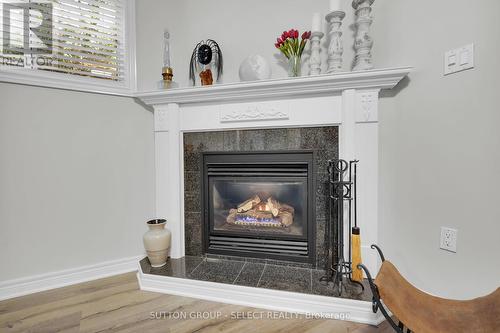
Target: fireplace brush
x=357 y=274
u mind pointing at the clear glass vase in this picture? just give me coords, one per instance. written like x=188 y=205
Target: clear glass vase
x=294 y=66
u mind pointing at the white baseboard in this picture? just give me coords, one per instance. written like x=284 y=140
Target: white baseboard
x=37 y=283
x=275 y=300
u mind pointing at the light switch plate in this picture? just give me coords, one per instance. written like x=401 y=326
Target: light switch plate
x=459 y=59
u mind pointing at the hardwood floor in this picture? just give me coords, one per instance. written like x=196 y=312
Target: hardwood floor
x=116 y=304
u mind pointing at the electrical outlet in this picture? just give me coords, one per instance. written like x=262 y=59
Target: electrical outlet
x=448 y=239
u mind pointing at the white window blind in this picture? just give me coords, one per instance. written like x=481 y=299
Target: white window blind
x=77 y=37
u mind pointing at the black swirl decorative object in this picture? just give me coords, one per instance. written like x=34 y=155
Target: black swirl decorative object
x=206 y=56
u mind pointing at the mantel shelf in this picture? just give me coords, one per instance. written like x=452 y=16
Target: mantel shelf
x=279 y=88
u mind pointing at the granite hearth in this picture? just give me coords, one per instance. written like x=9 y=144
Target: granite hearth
x=254 y=274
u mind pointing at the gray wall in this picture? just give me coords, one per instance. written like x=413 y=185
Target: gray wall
x=439 y=145
x=76 y=179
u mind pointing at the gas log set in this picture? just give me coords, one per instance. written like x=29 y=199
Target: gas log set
x=263 y=213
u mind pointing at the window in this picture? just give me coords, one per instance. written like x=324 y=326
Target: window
x=80 y=44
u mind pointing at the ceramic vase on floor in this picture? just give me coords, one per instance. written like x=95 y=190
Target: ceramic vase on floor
x=157 y=242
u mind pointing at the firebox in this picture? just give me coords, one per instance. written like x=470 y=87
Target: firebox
x=259 y=204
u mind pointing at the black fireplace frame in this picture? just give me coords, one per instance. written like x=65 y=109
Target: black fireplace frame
x=216 y=163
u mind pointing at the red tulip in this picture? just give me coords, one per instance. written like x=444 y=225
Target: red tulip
x=288 y=43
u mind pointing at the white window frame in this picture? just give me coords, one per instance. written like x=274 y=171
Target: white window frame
x=127 y=87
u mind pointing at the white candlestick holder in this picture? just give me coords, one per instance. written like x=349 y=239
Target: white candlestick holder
x=363 y=42
x=315 y=60
x=336 y=47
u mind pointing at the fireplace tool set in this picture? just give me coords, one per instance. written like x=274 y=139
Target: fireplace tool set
x=341 y=267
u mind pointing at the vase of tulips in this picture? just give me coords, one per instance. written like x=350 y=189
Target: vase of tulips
x=291 y=47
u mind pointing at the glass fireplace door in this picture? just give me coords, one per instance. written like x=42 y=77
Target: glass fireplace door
x=259 y=204
x=271 y=206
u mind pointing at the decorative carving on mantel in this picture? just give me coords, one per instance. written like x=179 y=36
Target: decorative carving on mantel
x=252 y=113
x=367 y=107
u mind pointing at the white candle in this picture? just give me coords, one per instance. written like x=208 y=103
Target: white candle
x=335 y=5
x=317 y=23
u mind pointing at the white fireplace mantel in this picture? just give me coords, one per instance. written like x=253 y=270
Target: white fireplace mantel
x=347 y=100
x=278 y=88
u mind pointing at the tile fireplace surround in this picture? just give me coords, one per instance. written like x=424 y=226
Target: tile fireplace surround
x=323 y=140
x=347 y=102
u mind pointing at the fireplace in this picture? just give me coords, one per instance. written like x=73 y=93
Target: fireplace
x=259 y=204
